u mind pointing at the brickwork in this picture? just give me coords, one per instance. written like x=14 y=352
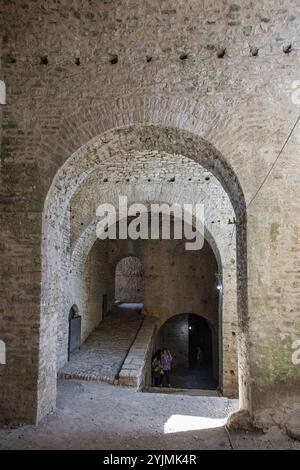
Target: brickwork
x=186 y=83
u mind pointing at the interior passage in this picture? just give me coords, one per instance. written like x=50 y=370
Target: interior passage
x=193 y=344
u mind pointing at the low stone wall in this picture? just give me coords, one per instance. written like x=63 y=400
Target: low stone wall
x=136 y=370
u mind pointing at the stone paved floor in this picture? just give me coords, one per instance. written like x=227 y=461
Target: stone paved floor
x=94 y=415
x=103 y=353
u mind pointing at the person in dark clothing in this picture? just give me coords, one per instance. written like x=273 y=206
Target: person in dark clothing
x=166 y=362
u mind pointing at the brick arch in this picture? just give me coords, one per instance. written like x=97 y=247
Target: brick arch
x=185 y=313
x=215 y=123
x=56 y=224
x=75 y=129
x=147 y=137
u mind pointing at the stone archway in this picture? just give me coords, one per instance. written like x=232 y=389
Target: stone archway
x=57 y=223
x=193 y=343
x=129 y=280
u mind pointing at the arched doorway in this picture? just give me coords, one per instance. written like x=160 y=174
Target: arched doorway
x=193 y=344
x=129 y=282
x=74 y=337
x=173 y=144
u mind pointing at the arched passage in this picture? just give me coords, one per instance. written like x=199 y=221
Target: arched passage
x=73 y=175
x=129 y=281
x=176 y=280
x=193 y=343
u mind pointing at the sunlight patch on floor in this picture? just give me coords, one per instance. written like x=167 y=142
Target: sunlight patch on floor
x=183 y=423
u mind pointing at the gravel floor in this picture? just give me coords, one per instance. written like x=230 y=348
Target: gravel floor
x=92 y=415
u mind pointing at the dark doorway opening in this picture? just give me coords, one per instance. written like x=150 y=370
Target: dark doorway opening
x=74 y=330
x=201 y=352
x=194 y=346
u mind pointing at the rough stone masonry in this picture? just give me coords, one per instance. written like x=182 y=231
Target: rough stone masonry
x=96 y=88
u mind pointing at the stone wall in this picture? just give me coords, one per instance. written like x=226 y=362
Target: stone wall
x=88 y=281
x=176 y=281
x=1 y=103
x=218 y=72
x=179 y=281
x=97 y=286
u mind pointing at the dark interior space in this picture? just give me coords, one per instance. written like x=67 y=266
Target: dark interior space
x=201 y=352
x=190 y=340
